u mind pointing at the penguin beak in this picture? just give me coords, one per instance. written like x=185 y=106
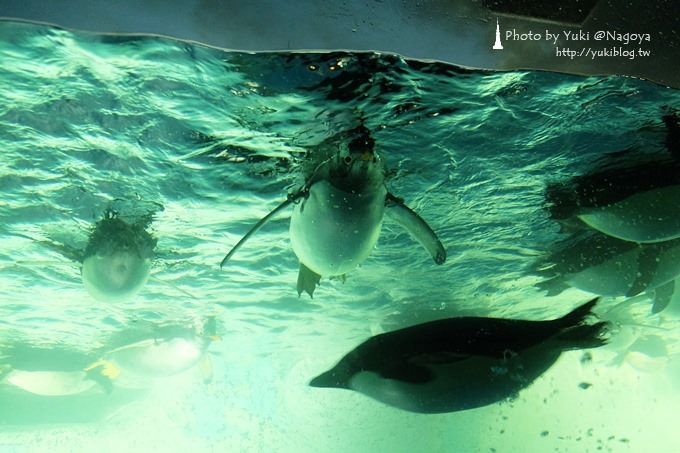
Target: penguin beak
x=366 y=156
x=328 y=380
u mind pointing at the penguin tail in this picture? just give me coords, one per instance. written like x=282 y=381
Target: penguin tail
x=576 y=333
x=578 y=314
x=584 y=336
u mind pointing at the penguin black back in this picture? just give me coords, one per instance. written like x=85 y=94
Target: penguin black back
x=490 y=358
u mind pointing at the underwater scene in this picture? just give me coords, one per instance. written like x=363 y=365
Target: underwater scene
x=220 y=251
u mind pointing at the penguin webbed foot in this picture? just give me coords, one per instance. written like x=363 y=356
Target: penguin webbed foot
x=307 y=281
x=341 y=278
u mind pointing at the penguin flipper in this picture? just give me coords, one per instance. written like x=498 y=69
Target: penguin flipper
x=291 y=199
x=307 y=280
x=663 y=296
x=648 y=266
x=407 y=372
x=416 y=226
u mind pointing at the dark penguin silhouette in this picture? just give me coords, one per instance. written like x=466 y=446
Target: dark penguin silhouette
x=339 y=211
x=460 y=363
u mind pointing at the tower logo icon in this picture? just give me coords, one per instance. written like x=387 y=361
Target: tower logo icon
x=497 y=45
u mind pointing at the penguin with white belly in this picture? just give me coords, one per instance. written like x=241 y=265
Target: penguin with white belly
x=339 y=211
x=631 y=196
x=606 y=266
x=460 y=363
x=165 y=351
x=117 y=260
x=54 y=372
x=55 y=385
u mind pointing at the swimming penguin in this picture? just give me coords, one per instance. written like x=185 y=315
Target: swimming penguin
x=170 y=350
x=606 y=266
x=460 y=363
x=117 y=260
x=54 y=372
x=339 y=212
x=632 y=196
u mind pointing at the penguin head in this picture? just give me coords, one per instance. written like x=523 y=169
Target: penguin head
x=358 y=167
x=117 y=260
x=113 y=234
x=362 y=144
x=330 y=379
x=337 y=377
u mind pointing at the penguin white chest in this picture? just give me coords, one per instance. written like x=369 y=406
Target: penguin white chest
x=155 y=359
x=50 y=383
x=333 y=231
x=645 y=217
x=115 y=277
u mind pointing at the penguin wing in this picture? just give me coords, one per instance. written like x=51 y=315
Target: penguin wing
x=648 y=265
x=418 y=369
x=439 y=358
x=291 y=199
x=67 y=251
x=416 y=226
x=663 y=295
x=407 y=372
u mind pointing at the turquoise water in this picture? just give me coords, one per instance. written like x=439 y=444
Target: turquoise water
x=208 y=141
